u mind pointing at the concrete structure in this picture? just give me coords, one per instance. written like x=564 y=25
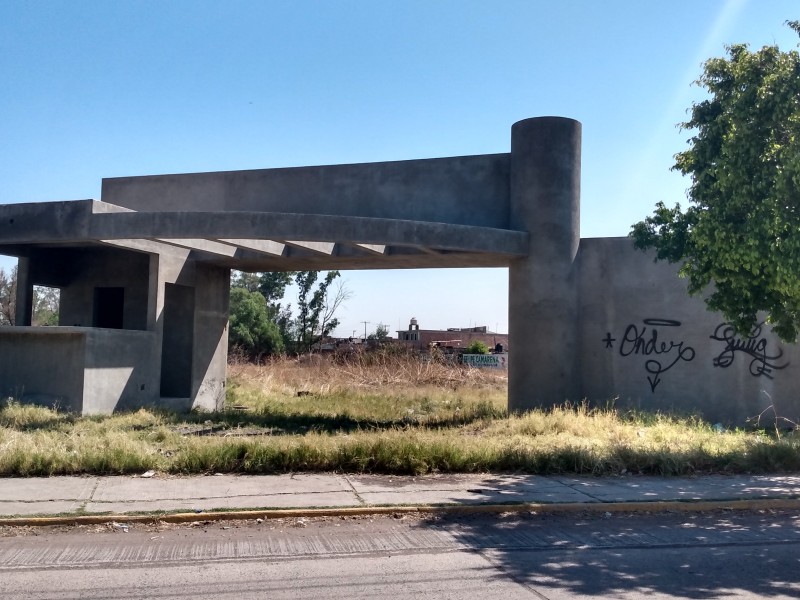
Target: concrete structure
x=144 y=280
x=455 y=337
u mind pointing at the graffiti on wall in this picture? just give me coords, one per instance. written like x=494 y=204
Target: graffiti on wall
x=663 y=351
x=659 y=342
x=754 y=345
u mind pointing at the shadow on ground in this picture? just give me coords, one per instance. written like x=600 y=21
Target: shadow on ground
x=702 y=556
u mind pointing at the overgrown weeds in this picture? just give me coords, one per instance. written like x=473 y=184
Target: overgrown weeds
x=382 y=415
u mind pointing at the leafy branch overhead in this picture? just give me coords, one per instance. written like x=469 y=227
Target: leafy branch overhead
x=739 y=238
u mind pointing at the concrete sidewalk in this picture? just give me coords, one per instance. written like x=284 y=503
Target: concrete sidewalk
x=203 y=494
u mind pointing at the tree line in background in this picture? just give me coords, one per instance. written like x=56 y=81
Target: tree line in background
x=260 y=325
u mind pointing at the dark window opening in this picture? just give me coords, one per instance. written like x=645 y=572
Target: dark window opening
x=109 y=304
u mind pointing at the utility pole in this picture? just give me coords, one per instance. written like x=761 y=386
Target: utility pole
x=365 y=329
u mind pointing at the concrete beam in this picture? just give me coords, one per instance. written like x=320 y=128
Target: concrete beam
x=64 y=222
x=270 y=247
x=319 y=247
x=376 y=248
x=465 y=190
x=318 y=228
x=202 y=245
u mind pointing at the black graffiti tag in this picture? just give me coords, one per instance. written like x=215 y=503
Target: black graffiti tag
x=753 y=345
x=637 y=341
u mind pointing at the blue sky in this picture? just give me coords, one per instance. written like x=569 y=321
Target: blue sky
x=95 y=89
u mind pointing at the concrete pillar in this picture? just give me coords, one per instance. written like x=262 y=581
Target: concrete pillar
x=24 y=298
x=543 y=302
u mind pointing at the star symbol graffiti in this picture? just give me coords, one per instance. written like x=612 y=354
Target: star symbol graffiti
x=609 y=340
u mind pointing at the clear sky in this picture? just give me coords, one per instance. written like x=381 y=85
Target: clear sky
x=94 y=89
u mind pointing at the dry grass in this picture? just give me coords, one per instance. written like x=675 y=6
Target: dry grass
x=380 y=413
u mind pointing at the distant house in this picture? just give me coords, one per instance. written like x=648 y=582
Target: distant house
x=453 y=337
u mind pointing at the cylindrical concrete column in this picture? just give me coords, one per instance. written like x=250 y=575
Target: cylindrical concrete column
x=543 y=299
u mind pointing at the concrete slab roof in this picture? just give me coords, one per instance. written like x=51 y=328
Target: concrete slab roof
x=260 y=241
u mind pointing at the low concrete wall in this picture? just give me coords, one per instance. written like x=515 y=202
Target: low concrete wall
x=85 y=370
x=644 y=343
x=43 y=365
x=121 y=370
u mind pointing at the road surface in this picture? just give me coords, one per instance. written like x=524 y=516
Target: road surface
x=713 y=555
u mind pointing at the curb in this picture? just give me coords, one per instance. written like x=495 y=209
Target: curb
x=566 y=508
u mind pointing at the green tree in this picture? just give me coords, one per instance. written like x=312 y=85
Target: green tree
x=477 y=347
x=251 y=329
x=271 y=285
x=317 y=304
x=740 y=237
x=316 y=308
x=381 y=333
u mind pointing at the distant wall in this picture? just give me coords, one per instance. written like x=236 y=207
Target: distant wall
x=645 y=344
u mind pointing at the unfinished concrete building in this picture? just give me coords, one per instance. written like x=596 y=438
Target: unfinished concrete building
x=144 y=276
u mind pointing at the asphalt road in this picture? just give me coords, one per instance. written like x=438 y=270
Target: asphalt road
x=719 y=555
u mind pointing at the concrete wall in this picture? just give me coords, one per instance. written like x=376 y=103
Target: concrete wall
x=466 y=190
x=42 y=365
x=119 y=370
x=425 y=337
x=209 y=286
x=645 y=344
x=86 y=370
x=99 y=370
x=211 y=337
x=79 y=271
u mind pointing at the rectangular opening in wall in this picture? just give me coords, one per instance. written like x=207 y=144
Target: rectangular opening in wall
x=8 y=290
x=178 y=342
x=109 y=304
x=46 y=302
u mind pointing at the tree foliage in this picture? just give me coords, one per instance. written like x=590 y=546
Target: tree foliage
x=740 y=237
x=8 y=296
x=316 y=307
x=45 y=301
x=381 y=333
x=317 y=303
x=251 y=329
x=477 y=347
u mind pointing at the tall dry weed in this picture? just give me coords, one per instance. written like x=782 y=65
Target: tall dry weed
x=326 y=374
